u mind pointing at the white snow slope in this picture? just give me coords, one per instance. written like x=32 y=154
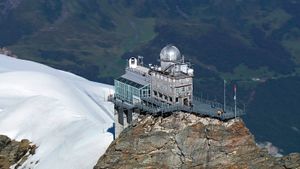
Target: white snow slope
x=65 y=115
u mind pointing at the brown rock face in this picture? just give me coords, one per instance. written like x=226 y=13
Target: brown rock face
x=187 y=141
x=13 y=152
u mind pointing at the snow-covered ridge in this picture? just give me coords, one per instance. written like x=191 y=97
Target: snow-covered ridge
x=65 y=115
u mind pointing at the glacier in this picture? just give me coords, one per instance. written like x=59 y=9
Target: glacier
x=66 y=116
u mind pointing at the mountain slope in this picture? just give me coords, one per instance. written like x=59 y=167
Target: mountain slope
x=184 y=140
x=245 y=42
x=66 y=116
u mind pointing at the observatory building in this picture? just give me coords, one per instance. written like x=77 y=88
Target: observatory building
x=160 y=89
x=171 y=82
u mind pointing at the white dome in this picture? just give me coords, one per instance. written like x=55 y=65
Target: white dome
x=170 y=53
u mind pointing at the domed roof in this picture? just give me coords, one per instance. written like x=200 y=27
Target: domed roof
x=170 y=53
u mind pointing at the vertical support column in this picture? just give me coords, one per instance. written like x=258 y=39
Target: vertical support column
x=119 y=120
x=125 y=116
x=121 y=115
x=129 y=116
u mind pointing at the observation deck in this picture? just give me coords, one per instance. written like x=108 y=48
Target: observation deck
x=201 y=107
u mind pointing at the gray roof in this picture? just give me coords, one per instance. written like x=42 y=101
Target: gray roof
x=129 y=82
x=133 y=79
x=136 y=77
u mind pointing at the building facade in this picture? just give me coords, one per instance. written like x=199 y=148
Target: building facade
x=171 y=82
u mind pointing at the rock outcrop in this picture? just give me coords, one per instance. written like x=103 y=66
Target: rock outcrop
x=7 y=52
x=187 y=141
x=14 y=152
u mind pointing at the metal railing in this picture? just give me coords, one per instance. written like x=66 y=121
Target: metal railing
x=215 y=104
x=201 y=107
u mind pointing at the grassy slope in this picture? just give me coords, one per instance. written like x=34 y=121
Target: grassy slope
x=86 y=38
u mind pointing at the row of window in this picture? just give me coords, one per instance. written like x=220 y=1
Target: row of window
x=126 y=92
x=164 y=97
x=183 y=89
x=162 y=77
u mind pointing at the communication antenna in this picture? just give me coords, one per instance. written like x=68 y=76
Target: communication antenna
x=234 y=101
x=224 y=106
x=141 y=60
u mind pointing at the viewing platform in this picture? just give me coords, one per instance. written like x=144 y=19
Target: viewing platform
x=200 y=107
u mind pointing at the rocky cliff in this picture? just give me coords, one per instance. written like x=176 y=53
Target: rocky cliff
x=13 y=152
x=187 y=141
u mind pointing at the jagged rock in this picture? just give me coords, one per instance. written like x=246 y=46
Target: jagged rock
x=7 y=52
x=187 y=141
x=13 y=152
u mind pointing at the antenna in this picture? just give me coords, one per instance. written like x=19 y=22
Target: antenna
x=224 y=106
x=234 y=101
x=141 y=60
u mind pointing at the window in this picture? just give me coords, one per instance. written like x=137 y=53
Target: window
x=176 y=99
x=160 y=95
x=155 y=93
x=170 y=98
x=166 y=97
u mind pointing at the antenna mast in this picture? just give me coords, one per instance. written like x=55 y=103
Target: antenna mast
x=234 y=101
x=141 y=60
x=224 y=107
